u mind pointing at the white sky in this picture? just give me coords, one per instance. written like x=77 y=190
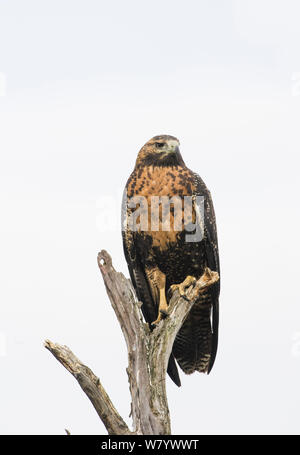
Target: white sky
x=83 y=85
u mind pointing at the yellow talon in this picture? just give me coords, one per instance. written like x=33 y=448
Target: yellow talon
x=185 y=284
x=163 y=306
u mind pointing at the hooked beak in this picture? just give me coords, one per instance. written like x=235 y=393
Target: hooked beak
x=172 y=147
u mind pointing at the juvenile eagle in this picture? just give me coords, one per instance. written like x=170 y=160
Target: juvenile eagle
x=160 y=258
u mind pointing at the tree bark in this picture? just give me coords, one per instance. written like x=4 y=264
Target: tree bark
x=148 y=354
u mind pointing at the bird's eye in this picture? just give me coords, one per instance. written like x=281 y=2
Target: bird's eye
x=159 y=145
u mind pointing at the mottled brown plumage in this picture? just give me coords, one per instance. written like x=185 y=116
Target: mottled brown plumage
x=158 y=259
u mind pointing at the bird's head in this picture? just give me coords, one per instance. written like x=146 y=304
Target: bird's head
x=160 y=151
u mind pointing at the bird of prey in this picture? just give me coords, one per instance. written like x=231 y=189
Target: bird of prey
x=161 y=258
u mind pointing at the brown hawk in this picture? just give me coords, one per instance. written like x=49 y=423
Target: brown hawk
x=160 y=257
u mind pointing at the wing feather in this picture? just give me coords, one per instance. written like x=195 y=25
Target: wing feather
x=212 y=258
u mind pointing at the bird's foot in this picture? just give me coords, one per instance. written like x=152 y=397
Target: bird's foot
x=190 y=280
x=162 y=313
x=208 y=278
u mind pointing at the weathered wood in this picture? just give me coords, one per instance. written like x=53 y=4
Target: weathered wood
x=148 y=354
x=91 y=386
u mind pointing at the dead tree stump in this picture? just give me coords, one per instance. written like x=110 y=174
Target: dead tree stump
x=148 y=354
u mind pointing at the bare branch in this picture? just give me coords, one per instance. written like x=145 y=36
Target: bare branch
x=92 y=387
x=148 y=354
